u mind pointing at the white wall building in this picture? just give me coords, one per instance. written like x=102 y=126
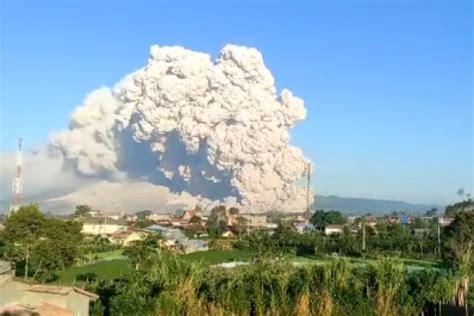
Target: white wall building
x=158 y=217
x=256 y=220
x=102 y=226
x=333 y=229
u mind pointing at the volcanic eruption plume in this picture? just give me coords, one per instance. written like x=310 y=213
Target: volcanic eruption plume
x=217 y=130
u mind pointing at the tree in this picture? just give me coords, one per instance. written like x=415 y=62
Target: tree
x=59 y=247
x=82 y=211
x=44 y=244
x=23 y=228
x=140 y=250
x=459 y=250
x=452 y=210
x=431 y=213
x=233 y=211
x=217 y=222
x=459 y=238
x=321 y=218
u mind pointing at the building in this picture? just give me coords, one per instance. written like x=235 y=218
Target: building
x=124 y=237
x=445 y=221
x=193 y=245
x=174 y=238
x=256 y=221
x=117 y=217
x=20 y=298
x=102 y=226
x=302 y=227
x=333 y=229
x=158 y=217
x=187 y=215
x=352 y=219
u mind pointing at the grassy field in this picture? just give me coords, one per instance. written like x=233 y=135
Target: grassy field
x=105 y=255
x=109 y=269
x=219 y=256
x=411 y=264
x=103 y=270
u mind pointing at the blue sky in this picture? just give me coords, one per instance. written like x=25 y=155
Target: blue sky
x=388 y=85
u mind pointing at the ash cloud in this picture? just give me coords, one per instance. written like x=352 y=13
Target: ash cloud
x=212 y=129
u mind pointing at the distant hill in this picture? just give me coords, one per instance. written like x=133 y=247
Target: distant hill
x=344 y=204
x=363 y=206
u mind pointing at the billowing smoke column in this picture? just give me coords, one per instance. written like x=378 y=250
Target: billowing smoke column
x=214 y=129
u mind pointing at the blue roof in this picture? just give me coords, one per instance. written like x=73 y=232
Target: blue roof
x=308 y=226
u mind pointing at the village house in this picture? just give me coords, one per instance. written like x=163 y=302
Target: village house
x=124 y=237
x=333 y=229
x=445 y=221
x=256 y=221
x=102 y=226
x=163 y=218
x=20 y=298
x=302 y=227
x=175 y=239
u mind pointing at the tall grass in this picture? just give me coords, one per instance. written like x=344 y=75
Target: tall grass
x=168 y=285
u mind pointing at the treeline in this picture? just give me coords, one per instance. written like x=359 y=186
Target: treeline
x=418 y=240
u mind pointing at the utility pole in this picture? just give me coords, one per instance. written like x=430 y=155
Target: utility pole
x=308 y=190
x=439 y=238
x=363 y=236
x=17 y=185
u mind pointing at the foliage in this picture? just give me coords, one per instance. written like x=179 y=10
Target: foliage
x=452 y=210
x=219 y=256
x=103 y=270
x=322 y=218
x=168 y=285
x=459 y=239
x=42 y=246
x=139 y=250
x=217 y=222
x=82 y=211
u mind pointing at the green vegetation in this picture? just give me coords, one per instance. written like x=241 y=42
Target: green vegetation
x=104 y=270
x=167 y=284
x=107 y=255
x=321 y=218
x=219 y=256
x=40 y=246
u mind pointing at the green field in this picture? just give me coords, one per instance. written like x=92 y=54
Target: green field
x=108 y=255
x=411 y=264
x=219 y=256
x=109 y=269
x=103 y=270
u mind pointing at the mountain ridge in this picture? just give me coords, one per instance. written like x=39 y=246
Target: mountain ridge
x=366 y=205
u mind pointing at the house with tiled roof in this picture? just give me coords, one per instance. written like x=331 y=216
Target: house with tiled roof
x=18 y=297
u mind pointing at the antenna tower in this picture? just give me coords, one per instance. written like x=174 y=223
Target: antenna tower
x=17 y=185
x=308 y=191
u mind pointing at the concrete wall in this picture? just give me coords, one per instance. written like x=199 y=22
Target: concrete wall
x=11 y=293
x=78 y=303
x=101 y=229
